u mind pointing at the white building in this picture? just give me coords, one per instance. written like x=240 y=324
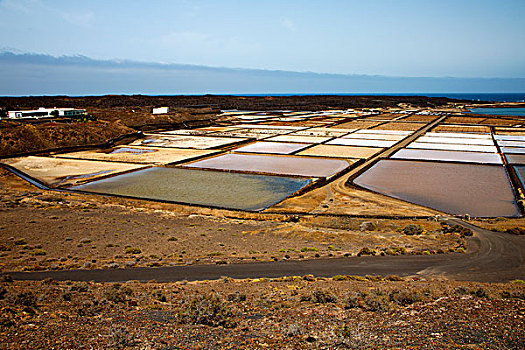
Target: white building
x=161 y=110
x=46 y=113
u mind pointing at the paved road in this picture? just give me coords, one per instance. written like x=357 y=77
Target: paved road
x=490 y=257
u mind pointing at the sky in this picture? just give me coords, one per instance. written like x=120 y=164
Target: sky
x=414 y=38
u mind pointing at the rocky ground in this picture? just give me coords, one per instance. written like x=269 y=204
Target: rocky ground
x=286 y=313
x=312 y=103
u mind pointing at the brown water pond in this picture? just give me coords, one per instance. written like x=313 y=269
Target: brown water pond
x=478 y=190
x=515 y=158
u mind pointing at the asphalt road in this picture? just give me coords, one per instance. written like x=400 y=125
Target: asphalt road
x=490 y=257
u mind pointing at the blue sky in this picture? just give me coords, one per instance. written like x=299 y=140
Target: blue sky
x=460 y=38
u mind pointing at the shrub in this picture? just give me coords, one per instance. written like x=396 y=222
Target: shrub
x=412 y=230
x=366 y=251
x=132 y=250
x=393 y=278
x=516 y=231
x=118 y=294
x=39 y=252
x=461 y=290
x=158 y=295
x=344 y=332
x=404 y=297
x=4 y=248
x=120 y=337
x=368 y=226
x=323 y=297
x=480 y=293
x=513 y=295
x=25 y=299
x=20 y=241
x=173 y=239
x=207 y=310
x=463 y=231
x=353 y=302
x=292 y=330
x=373 y=301
x=376 y=301
x=236 y=297
x=309 y=249
x=8 y=318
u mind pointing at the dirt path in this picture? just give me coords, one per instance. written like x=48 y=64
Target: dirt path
x=491 y=257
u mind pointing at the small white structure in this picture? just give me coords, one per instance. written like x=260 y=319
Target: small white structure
x=161 y=110
x=46 y=113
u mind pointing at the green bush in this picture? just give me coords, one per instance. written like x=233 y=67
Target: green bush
x=132 y=250
x=309 y=249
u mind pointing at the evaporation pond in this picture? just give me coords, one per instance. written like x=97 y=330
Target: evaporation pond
x=272 y=147
x=515 y=159
x=478 y=190
x=340 y=151
x=520 y=170
x=185 y=141
x=60 y=172
x=504 y=143
x=284 y=165
x=200 y=187
x=134 y=154
x=448 y=156
x=361 y=143
x=514 y=150
x=453 y=147
x=456 y=140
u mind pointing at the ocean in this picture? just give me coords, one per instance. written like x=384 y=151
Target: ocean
x=495 y=97
x=517 y=112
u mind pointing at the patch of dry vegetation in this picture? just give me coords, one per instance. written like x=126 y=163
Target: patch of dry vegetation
x=289 y=312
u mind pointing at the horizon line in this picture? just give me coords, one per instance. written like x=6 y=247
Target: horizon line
x=117 y=61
